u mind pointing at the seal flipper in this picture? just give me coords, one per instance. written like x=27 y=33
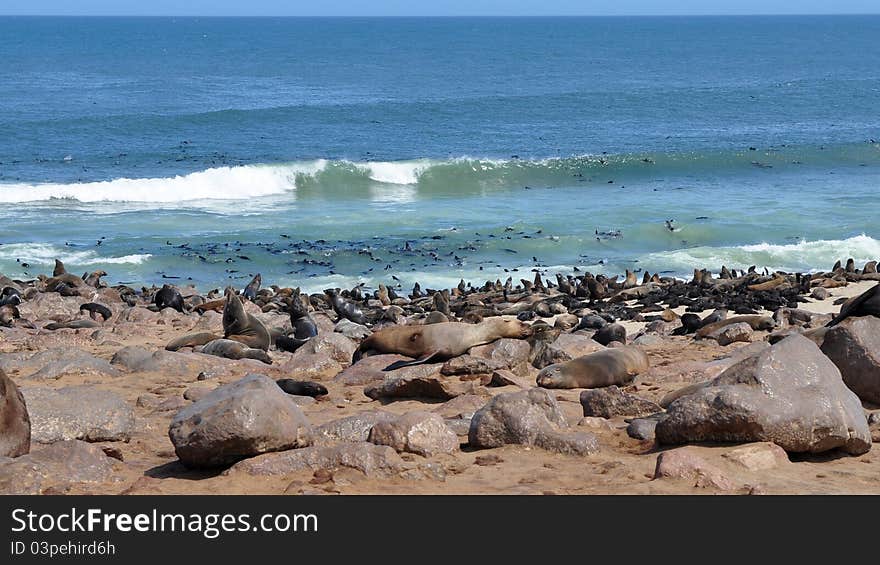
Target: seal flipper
x=433 y=357
x=291 y=344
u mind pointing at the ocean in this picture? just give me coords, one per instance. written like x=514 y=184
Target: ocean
x=323 y=152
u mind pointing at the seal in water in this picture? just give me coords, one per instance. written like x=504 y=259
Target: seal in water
x=616 y=366
x=433 y=343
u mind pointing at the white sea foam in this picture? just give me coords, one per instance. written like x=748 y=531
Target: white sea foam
x=399 y=172
x=43 y=254
x=802 y=256
x=222 y=183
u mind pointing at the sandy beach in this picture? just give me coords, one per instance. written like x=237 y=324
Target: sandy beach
x=114 y=386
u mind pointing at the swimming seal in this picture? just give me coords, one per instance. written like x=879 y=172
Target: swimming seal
x=865 y=304
x=616 y=366
x=433 y=343
x=302 y=388
x=231 y=349
x=240 y=326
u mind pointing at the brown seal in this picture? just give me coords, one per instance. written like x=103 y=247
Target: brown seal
x=438 y=342
x=756 y=322
x=231 y=349
x=14 y=420
x=240 y=326
x=865 y=304
x=614 y=366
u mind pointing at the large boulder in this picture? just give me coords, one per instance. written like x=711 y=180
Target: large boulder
x=84 y=412
x=368 y=370
x=790 y=394
x=239 y=420
x=15 y=424
x=529 y=417
x=512 y=353
x=56 y=362
x=423 y=433
x=854 y=346
x=419 y=381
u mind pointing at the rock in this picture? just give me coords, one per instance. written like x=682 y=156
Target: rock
x=512 y=353
x=642 y=428
x=56 y=362
x=820 y=293
x=610 y=401
x=874 y=426
x=471 y=365
x=684 y=463
x=304 y=366
x=565 y=348
x=460 y=426
x=328 y=344
x=351 y=330
x=368 y=370
x=790 y=394
x=56 y=466
x=461 y=406
x=854 y=347
x=739 y=332
x=419 y=381
x=372 y=460
x=758 y=456
x=595 y=423
x=84 y=412
x=422 y=433
x=506 y=378
x=239 y=420
x=649 y=340
x=352 y=428
x=529 y=417
x=15 y=424
x=196 y=393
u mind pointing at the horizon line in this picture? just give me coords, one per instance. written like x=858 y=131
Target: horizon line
x=425 y=16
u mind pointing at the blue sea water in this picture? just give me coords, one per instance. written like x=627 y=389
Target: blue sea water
x=326 y=151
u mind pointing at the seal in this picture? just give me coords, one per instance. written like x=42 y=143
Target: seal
x=94 y=279
x=253 y=287
x=433 y=343
x=10 y=296
x=865 y=304
x=73 y=325
x=231 y=349
x=615 y=366
x=8 y=314
x=191 y=340
x=302 y=388
x=756 y=322
x=609 y=333
x=94 y=309
x=14 y=420
x=304 y=326
x=168 y=297
x=240 y=326
x=345 y=309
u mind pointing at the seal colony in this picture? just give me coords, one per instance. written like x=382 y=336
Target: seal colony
x=341 y=361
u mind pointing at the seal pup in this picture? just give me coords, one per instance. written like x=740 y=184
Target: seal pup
x=433 y=343
x=615 y=366
x=611 y=332
x=250 y=291
x=94 y=279
x=345 y=309
x=301 y=388
x=8 y=314
x=865 y=304
x=231 y=349
x=168 y=297
x=94 y=309
x=240 y=326
x=304 y=326
x=10 y=296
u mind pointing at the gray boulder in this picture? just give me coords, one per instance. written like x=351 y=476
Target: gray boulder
x=529 y=417
x=84 y=412
x=372 y=460
x=790 y=394
x=854 y=346
x=239 y=420
x=423 y=433
x=352 y=428
x=59 y=465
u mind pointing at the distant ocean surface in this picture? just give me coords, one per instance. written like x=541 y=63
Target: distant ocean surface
x=324 y=152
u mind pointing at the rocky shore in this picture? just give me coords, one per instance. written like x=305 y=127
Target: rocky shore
x=754 y=383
